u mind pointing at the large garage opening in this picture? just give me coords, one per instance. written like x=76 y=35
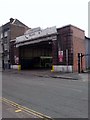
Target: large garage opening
x=36 y=56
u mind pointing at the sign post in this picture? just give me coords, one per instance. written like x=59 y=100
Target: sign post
x=60 y=56
x=67 y=59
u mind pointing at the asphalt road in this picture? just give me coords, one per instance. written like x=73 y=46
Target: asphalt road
x=57 y=98
x=9 y=111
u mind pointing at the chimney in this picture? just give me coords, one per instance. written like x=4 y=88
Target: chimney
x=11 y=20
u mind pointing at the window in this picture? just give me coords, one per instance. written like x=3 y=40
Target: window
x=5 y=41
x=1 y=35
x=5 y=34
x=5 y=46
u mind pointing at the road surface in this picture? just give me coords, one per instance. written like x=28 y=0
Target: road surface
x=55 y=97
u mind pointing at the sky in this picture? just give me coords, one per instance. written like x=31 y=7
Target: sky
x=46 y=13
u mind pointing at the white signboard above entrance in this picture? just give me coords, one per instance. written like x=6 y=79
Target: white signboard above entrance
x=34 y=34
x=31 y=31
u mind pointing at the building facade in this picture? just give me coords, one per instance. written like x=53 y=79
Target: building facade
x=61 y=49
x=9 y=31
x=71 y=41
x=58 y=47
x=0 y=50
x=87 y=54
x=36 y=48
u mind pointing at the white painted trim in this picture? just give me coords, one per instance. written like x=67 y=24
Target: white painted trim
x=13 y=21
x=14 y=67
x=63 y=68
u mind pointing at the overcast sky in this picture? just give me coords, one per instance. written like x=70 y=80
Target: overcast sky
x=46 y=13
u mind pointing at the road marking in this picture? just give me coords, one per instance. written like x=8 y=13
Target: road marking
x=28 y=110
x=19 y=110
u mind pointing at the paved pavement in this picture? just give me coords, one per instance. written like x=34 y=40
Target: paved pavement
x=48 y=73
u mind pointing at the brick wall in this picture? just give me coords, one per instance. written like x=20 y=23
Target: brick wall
x=15 y=31
x=65 y=42
x=78 y=47
x=54 y=52
x=73 y=39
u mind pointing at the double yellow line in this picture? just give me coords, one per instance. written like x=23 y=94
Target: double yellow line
x=27 y=110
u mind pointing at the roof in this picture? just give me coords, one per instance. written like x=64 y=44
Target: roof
x=69 y=25
x=36 y=33
x=15 y=22
x=19 y=23
x=87 y=38
x=37 y=36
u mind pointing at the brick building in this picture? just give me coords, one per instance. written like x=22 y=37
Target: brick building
x=36 y=48
x=71 y=41
x=10 y=31
x=61 y=44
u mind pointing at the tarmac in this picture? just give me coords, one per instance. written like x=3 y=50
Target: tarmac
x=13 y=112
x=9 y=111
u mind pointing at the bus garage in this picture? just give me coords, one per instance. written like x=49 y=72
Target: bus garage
x=36 y=48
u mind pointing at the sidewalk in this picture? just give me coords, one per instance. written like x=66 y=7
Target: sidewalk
x=62 y=75
x=49 y=74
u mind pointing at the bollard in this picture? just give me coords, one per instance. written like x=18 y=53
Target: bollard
x=52 y=69
x=19 y=67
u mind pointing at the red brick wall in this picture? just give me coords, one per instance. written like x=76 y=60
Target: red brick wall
x=14 y=52
x=65 y=42
x=15 y=31
x=78 y=47
x=54 y=52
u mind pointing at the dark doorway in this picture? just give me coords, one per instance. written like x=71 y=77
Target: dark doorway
x=36 y=55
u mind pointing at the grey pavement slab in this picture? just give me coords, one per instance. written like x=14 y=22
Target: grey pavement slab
x=48 y=74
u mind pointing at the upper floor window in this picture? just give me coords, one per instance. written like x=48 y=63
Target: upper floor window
x=5 y=34
x=1 y=35
x=5 y=47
